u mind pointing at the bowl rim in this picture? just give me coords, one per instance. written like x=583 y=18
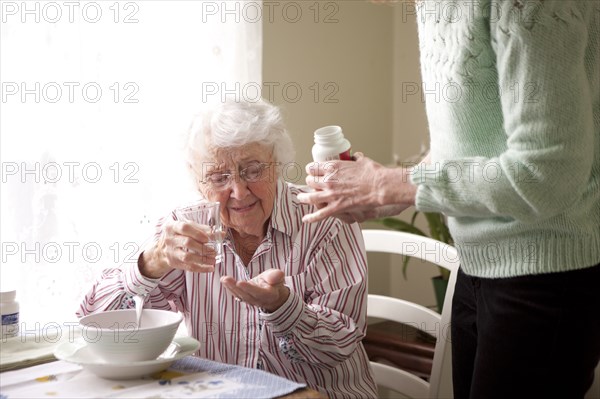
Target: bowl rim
x=82 y=324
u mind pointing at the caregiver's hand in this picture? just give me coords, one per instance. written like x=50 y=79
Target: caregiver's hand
x=356 y=190
x=379 y=212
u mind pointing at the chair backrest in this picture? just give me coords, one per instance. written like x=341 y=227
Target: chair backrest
x=441 y=254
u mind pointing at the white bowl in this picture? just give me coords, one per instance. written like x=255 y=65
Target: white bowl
x=113 y=336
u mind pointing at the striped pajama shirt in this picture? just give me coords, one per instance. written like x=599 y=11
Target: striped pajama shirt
x=314 y=337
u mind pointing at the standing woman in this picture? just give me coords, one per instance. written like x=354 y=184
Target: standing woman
x=515 y=165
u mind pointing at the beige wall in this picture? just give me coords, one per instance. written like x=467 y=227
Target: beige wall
x=358 y=55
x=348 y=60
x=409 y=136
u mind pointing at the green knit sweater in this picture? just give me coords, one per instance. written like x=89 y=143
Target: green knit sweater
x=512 y=91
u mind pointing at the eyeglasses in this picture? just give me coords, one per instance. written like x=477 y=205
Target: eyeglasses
x=249 y=174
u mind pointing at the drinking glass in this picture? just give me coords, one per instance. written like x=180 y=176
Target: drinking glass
x=206 y=214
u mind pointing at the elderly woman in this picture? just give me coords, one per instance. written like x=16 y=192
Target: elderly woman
x=287 y=297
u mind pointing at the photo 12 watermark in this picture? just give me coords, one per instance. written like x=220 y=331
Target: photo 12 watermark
x=69 y=172
x=470 y=92
x=449 y=12
x=69 y=252
x=53 y=12
x=471 y=171
x=52 y=332
x=275 y=92
x=71 y=331
x=326 y=12
x=435 y=251
x=69 y=92
x=290 y=171
x=522 y=251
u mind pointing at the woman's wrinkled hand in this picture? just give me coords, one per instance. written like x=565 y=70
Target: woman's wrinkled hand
x=182 y=245
x=266 y=291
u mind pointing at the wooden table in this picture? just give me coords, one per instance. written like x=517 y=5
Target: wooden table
x=304 y=393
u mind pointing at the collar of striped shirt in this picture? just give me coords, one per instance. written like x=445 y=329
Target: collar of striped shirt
x=284 y=213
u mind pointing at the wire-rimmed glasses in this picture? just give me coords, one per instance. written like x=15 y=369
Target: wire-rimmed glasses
x=251 y=174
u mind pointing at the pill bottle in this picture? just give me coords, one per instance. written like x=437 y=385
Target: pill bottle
x=330 y=144
x=9 y=310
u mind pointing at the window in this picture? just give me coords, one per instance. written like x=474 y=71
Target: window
x=95 y=98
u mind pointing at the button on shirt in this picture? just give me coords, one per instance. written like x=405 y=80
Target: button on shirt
x=314 y=337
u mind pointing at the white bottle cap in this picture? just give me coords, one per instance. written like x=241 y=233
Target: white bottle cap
x=330 y=144
x=8 y=295
x=327 y=132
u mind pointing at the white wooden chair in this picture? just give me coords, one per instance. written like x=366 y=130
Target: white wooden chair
x=398 y=310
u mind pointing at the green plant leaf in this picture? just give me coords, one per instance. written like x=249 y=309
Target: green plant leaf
x=413 y=219
x=438 y=228
x=405 y=260
x=401 y=225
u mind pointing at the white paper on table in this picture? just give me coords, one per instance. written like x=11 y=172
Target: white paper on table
x=59 y=380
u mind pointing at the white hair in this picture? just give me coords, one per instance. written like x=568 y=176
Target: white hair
x=234 y=124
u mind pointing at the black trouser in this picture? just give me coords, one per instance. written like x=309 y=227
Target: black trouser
x=526 y=337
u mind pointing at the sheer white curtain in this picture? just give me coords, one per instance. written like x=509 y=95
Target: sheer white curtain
x=94 y=104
